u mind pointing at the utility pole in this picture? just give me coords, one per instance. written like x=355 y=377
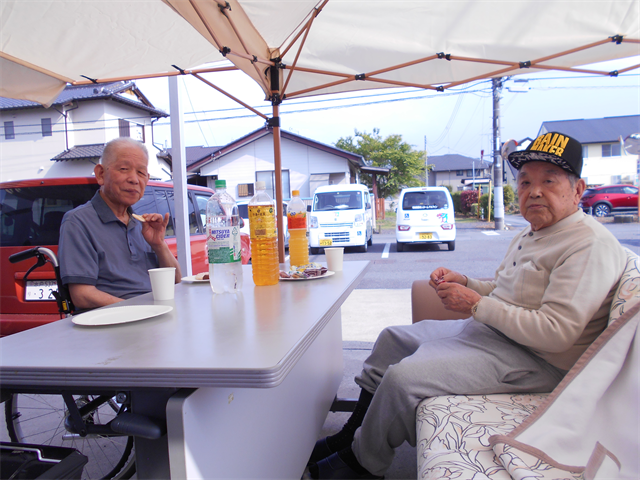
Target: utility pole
x=498 y=197
x=426 y=163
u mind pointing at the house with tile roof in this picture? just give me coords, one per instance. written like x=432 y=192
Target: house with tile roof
x=605 y=159
x=459 y=172
x=67 y=138
x=306 y=164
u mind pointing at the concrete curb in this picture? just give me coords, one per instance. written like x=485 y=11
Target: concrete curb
x=368 y=311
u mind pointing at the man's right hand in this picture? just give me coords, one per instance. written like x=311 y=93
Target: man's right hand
x=441 y=274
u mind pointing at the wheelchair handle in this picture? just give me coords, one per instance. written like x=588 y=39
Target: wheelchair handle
x=34 y=252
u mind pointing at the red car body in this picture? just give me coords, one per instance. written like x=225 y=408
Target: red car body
x=602 y=201
x=31 y=214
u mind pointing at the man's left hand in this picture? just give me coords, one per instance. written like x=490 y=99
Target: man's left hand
x=457 y=298
x=154 y=228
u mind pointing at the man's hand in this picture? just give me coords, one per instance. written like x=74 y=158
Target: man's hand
x=441 y=274
x=457 y=298
x=153 y=231
x=154 y=228
x=88 y=296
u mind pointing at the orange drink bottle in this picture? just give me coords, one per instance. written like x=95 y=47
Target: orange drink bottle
x=297 y=222
x=264 y=239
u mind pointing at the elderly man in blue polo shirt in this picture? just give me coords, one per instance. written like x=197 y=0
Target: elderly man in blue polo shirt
x=104 y=251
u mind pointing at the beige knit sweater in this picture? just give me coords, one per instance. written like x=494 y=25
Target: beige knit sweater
x=553 y=290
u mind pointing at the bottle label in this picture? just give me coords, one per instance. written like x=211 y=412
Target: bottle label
x=297 y=220
x=262 y=221
x=223 y=245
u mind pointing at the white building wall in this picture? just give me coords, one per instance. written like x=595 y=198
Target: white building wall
x=598 y=170
x=241 y=165
x=29 y=154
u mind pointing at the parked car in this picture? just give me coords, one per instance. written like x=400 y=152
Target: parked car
x=31 y=214
x=425 y=215
x=341 y=216
x=243 y=209
x=602 y=201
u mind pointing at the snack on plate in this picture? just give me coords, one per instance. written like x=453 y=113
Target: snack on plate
x=305 y=271
x=202 y=276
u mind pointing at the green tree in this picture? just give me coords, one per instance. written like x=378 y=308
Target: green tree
x=406 y=164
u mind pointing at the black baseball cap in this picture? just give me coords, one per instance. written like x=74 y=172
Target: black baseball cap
x=552 y=147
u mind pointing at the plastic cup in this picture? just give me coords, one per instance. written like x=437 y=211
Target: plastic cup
x=334 y=258
x=163 y=282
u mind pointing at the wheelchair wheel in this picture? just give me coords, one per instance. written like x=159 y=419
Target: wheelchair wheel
x=39 y=419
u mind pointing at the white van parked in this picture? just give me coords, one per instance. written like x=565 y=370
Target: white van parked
x=425 y=214
x=341 y=216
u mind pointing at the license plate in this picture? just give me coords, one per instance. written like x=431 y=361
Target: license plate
x=426 y=236
x=326 y=242
x=40 y=290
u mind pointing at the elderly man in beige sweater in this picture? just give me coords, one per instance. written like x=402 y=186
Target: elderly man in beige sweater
x=549 y=300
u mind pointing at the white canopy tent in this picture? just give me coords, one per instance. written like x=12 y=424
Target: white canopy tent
x=306 y=47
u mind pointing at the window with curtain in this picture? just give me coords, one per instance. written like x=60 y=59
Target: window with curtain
x=9 y=131
x=269 y=179
x=611 y=150
x=46 y=127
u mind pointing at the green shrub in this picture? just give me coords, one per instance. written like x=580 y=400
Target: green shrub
x=509 y=195
x=484 y=204
x=474 y=209
x=457 y=202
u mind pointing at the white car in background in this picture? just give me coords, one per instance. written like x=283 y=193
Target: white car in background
x=341 y=216
x=425 y=215
x=244 y=214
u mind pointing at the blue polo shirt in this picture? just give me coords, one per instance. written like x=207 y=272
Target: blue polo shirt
x=98 y=249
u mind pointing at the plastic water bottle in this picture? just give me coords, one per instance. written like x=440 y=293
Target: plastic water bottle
x=264 y=239
x=297 y=221
x=223 y=241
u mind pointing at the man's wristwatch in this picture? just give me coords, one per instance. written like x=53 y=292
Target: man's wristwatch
x=474 y=309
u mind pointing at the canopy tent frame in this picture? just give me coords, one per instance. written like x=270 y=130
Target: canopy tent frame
x=229 y=26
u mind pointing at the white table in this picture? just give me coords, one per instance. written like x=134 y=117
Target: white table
x=245 y=381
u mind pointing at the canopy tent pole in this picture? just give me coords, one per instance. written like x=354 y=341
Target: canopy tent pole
x=277 y=157
x=274 y=122
x=179 y=164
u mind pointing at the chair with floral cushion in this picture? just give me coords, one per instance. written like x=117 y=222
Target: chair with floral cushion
x=453 y=431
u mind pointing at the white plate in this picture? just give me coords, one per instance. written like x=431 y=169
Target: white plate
x=114 y=315
x=193 y=279
x=328 y=273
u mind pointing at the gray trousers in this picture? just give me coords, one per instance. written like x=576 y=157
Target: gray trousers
x=437 y=357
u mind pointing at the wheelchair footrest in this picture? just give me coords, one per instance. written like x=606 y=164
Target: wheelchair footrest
x=137 y=425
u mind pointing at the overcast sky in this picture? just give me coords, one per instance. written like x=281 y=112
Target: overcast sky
x=457 y=121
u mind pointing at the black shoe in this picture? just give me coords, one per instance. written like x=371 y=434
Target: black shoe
x=320 y=451
x=328 y=445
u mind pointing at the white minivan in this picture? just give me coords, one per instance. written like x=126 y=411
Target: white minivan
x=341 y=216
x=424 y=215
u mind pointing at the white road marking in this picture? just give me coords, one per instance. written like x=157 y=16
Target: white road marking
x=385 y=252
x=491 y=232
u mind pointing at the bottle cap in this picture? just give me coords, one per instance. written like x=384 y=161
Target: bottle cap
x=260 y=185
x=221 y=184
x=295 y=193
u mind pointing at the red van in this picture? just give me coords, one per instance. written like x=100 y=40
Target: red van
x=32 y=211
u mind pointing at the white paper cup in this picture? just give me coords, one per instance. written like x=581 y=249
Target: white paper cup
x=334 y=258
x=163 y=282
